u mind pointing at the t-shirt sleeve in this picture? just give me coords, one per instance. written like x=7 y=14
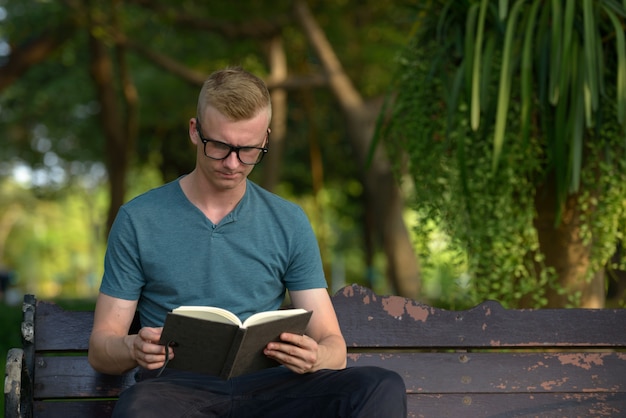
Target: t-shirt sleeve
x=123 y=277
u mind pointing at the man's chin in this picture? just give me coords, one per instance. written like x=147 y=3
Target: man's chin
x=231 y=182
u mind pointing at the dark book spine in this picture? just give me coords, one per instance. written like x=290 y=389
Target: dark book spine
x=232 y=354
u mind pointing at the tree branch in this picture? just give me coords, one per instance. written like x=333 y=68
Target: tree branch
x=348 y=97
x=196 y=79
x=33 y=52
x=168 y=64
x=253 y=29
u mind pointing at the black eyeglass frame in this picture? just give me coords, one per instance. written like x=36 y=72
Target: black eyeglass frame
x=232 y=149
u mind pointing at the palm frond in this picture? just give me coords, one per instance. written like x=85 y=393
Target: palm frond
x=620 y=45
x=504 y=91
x=591 y=62
x=478 y=49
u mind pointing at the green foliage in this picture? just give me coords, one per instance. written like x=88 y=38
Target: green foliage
x=54 y=245
x=489 y=102
x=603 y=201
x=445 y=283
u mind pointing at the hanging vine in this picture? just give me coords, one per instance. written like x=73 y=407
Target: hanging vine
x=488 y=105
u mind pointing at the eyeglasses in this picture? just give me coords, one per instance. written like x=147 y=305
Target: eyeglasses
x=218 y=150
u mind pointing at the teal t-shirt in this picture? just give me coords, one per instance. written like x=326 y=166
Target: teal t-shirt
x=164 y=252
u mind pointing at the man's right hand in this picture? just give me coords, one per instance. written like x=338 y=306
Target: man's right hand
x=145 y=349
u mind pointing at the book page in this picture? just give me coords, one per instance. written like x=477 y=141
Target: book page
x=263 y=317
x=210 y=313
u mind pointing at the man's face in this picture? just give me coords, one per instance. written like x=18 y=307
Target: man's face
x=218 y=133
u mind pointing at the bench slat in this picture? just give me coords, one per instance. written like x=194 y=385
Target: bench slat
x=57 y=329
x=503 y=372
x=73 y=377
x=61 y=377
x=61 y=330
x=428 y=406
x=394 y=321
x=517 y=405
x=454 y=405
x=74 y=409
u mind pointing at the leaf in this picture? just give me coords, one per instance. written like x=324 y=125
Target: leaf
x=461 y=160
x=577 y=126
x=620 y=45
x=526 y=71
x=503 y=9
x=568 y=23
x=453 y=101
x=576 y=146
x=475 y=107
x=470 y=32
x=615 y=7
x=590 y=43
x=486 y=72
x=568 y=29
x=442 y=22
x=504 y=91
x=560 y=158
x=556 y=51
x=542 y=45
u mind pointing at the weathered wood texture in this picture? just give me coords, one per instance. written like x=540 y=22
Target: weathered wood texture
x=393 y=321
x=54 y=359
x=483 y=362
x=489 y=361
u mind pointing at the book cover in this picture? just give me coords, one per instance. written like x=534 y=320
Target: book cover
x=225 y=347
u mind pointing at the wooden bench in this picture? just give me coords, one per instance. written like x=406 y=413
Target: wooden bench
x=483 y=362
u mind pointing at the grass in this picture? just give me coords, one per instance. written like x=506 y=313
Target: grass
x=11 y=318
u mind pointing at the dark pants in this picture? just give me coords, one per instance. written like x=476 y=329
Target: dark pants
x=275 y=392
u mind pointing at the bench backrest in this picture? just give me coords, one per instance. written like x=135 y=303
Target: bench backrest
x=485 y=361
x=489 y=361
x=55 y=345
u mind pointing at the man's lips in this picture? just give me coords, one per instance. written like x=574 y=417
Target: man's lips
x=228 y=175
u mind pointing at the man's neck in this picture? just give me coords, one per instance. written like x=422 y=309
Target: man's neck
x=215 y=204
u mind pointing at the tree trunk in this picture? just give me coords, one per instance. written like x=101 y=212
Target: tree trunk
x=120 y=132
x=565 y=251
x=278 y=74
x=384 y=202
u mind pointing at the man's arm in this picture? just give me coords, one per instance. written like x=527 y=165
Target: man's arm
x=111 y=349
x=323 y=346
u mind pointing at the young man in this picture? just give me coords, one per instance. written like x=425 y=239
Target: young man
x=213 y=237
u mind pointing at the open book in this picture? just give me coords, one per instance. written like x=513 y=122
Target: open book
x=213 y=340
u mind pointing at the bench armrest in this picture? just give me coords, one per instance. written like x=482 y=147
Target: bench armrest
x=18 y=386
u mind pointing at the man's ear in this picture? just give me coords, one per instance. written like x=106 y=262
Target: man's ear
x=193 y=131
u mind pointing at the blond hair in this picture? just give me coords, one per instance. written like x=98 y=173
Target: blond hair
x=235 y=93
